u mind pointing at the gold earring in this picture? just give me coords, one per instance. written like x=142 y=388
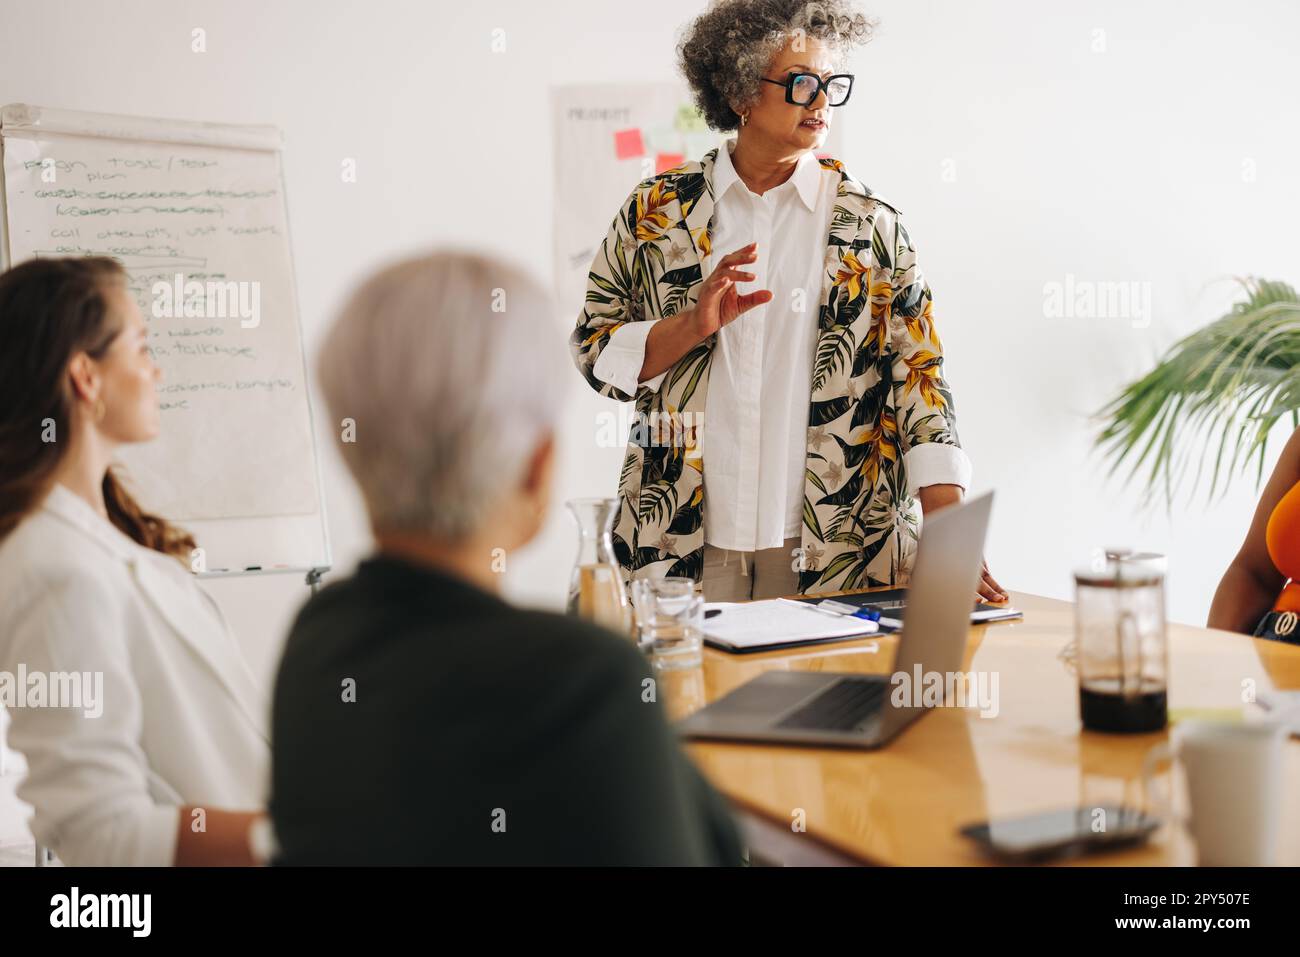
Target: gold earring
x=744 y=118
x=101 y=410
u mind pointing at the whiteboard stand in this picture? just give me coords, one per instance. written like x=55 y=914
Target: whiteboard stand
x=314 y=577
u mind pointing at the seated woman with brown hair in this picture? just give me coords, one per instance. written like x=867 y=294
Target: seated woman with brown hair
x=168 y=763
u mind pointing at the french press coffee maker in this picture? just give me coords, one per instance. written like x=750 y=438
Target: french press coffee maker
x=1121 y=648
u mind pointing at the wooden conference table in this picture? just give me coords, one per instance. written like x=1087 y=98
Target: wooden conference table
x=903 y=804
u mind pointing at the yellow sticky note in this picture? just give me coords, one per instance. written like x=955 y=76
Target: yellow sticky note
x=1206 y=714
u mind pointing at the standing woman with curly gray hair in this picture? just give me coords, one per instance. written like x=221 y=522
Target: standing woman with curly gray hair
x=766 y=313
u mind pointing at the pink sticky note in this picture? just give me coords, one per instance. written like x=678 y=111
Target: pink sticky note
x=627 y=143
x=665 y=161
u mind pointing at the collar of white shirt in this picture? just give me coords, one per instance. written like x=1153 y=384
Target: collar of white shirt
x=79 y=513
x=806 y=176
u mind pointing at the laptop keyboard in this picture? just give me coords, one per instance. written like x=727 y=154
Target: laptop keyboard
x=841 y=707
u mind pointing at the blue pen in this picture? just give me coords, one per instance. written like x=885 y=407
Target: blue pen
x=866 y=613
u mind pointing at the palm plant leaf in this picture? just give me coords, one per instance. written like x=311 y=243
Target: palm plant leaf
x=1221 y=389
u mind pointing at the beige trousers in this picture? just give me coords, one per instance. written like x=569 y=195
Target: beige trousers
x=741 y=576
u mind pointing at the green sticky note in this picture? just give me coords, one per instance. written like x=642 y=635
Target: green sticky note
x=689 y=120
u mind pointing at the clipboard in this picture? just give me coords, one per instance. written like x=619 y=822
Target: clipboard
x=778 y=623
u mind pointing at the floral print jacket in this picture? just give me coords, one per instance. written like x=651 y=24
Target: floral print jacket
x=877 y=386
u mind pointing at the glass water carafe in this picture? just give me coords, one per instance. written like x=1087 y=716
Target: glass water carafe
x=596 y=589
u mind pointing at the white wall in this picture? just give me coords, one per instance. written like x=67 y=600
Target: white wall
x=1117 y=165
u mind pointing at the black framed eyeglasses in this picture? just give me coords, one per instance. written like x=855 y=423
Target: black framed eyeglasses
x=802 y=89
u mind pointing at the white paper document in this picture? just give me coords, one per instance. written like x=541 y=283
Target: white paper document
x=744 y=626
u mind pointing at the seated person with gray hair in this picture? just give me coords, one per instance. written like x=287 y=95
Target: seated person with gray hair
x=419 y=718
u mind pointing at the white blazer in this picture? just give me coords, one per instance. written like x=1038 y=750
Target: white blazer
x=183 y=721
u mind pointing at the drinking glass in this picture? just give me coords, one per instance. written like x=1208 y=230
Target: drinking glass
x=669 y=620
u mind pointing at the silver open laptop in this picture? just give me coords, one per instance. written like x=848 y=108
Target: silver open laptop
x=856 y=710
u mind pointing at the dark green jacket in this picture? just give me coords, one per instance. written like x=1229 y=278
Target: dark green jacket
x=479 y=733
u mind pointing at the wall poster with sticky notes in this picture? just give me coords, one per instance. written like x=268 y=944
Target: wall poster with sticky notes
x=609 y=137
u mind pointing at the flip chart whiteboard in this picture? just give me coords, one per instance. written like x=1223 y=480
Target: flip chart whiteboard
x=196 y=213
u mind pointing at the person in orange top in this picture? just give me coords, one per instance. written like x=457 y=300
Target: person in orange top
x=1260 y=591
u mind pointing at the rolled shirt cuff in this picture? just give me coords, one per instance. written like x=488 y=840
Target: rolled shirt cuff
x=619 y=363
x=935 y=463
x=141 y=836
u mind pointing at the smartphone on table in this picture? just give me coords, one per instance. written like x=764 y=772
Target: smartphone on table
x=1061 y=833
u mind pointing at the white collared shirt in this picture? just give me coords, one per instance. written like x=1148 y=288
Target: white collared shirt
x=754 y=438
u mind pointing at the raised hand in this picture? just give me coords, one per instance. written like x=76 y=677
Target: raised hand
x=718 y=302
